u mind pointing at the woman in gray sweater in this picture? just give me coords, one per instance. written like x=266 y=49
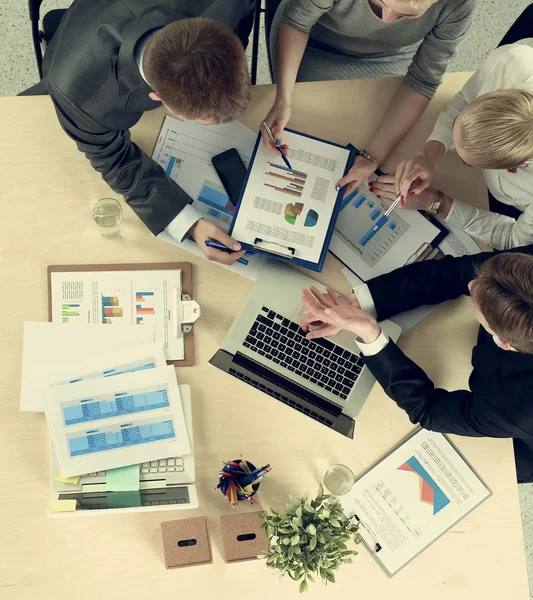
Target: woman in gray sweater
x=347 y=39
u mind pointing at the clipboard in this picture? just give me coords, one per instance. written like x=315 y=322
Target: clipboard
x=186 y=288
x=415 y=254
x=277 y=250
x=372 y=543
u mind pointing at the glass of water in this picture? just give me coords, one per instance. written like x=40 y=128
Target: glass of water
x=107 y=214
x=339 y=480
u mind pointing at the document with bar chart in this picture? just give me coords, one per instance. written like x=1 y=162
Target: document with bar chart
x=185 y=151
x=105 y=423
x=401 y=239
x=118 y=298
x=290 y=210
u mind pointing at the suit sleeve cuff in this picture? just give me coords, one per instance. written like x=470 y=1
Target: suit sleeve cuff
x=363 y=295
x=374 y=347
x=180 y=225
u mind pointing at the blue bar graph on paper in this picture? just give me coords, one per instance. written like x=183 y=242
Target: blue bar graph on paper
x=359 y=201
x=113 y=405
x=144 y=293
x=170 y=165
x=392 y=226
x=368 y=236
x=375 y=214
x=120 y=436
x=214 y=196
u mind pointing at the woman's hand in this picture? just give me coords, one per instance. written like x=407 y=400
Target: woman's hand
x=341 y=314
x=361 y=170
x=385 y=187
x=277 y=119
x=421 y=167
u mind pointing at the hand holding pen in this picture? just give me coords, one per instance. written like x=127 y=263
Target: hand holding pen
x=276 y=143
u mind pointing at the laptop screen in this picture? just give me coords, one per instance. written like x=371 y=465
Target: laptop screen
x=146 y=497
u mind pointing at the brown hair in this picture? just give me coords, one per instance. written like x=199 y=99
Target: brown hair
x=497 y=129
x=198 y=68
x=503 y=292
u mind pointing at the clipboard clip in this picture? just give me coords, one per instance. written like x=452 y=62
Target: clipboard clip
x=186 y=312
x=274 y=248
x=360 y=539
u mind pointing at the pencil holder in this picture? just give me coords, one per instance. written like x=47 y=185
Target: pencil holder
x=231 y=475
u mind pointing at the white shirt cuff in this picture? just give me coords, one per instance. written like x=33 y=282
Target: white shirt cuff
x=182 y=222
x=365 y=299
x=374 y=347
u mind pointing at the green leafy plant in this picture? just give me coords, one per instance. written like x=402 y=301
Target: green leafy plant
x=308 y=539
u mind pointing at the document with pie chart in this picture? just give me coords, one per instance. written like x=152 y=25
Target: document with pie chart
x=292 y=209
x=412 y=496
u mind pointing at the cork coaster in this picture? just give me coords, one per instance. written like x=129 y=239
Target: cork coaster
x=186 y=543
x=243 y=537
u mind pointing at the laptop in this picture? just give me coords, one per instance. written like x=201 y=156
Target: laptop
x=326 y=379
x=164 y=484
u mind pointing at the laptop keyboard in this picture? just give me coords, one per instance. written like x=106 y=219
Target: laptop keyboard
x=319 y=361
x=165 y=465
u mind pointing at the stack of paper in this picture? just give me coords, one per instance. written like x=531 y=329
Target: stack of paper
x=104 y=410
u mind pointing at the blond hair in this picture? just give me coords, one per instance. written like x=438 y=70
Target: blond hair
x=419 y=4
x=497 y=129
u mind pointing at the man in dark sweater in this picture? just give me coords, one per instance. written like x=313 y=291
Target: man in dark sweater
x=112 y=60
x=500 y=400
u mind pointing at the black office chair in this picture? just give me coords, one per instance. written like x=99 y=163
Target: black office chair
x=42 y=37
x=521 y=29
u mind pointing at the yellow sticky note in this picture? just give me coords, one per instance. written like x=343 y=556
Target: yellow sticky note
x=59 y=506
x=70 y=480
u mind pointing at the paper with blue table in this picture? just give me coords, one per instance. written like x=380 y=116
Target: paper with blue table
x=185 y=151
x=101 y=424
x=289 y=213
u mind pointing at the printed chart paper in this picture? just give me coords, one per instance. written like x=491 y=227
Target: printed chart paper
x=48 y=347
x=117 y=298
x=113 y=422
x=413 y=496
x=292 y=208
x=401 y=239
x=185 y=151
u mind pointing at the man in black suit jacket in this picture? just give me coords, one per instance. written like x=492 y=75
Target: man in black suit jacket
x=500 y=400
x=111 y=60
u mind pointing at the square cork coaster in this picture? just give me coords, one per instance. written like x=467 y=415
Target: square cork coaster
x=186 y=543
x=243 y=537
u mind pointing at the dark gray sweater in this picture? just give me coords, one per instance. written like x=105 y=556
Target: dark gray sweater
x=351 y=27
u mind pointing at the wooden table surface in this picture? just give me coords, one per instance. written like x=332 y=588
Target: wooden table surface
x=46 y=198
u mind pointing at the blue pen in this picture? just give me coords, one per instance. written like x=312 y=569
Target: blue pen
x=383 y=219
x=218 y=246
x=276 y=143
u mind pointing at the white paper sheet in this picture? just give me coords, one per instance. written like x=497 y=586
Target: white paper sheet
x=49 y=346
x=106 y=423
x=117 y=298
x=185 y=151
x=456 y=243
x=292 y=208
x=129 y=360
x=398 y=241
x=412 y=497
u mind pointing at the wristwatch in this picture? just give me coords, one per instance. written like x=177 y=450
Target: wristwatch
x=365 y=154
x=436 y=204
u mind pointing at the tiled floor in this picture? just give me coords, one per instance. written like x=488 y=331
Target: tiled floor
x=493 y=18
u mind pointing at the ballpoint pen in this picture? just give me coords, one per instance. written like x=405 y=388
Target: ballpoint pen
x=273 y=140
x=383 y=219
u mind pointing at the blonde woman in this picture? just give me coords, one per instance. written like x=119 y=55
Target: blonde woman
x=348 y=39
x=489 y=124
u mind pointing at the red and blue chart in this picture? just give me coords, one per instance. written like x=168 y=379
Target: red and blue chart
x=429 y=492
x=285 y=180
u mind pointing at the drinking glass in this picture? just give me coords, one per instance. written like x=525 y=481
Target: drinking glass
x=339 y=480
x=107 y=214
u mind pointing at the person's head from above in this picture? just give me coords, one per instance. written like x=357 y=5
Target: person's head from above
x=502 y=299
x=396 y=9
x=197 y=68
x=495 y=131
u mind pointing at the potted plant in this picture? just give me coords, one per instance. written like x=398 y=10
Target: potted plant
x=308 y=539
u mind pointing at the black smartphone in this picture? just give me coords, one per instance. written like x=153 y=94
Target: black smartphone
x=231 y=171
